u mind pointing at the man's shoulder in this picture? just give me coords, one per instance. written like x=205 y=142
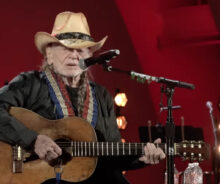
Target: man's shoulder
x=32 y=74
x=27 y=77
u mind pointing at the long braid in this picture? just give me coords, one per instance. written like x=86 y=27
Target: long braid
x=82 y=93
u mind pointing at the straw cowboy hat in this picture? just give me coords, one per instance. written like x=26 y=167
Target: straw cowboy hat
x=70 y=30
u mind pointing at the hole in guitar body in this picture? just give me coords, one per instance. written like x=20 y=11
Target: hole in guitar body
x=65 y=145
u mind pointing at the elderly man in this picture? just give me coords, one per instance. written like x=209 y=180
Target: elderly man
x=62 y=89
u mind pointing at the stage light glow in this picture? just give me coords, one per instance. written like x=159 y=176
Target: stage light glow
x=123 y=140
x=121 y=122
x=121 y=99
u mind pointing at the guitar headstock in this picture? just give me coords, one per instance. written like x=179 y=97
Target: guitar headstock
x=193 y=150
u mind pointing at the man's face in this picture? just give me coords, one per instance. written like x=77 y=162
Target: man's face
x=65 y=60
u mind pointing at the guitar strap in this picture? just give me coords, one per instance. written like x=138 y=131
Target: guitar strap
x=61 y=99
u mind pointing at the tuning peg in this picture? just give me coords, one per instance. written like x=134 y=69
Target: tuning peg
x=200 y=158
x=200 y=144
x=184 y=158
x=193 y=150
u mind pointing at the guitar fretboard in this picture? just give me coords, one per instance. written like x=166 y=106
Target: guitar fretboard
x=94 y=149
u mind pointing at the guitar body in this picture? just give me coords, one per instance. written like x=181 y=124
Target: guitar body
x=37 y=171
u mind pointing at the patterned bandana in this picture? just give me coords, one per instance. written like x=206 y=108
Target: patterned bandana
x=61 y=99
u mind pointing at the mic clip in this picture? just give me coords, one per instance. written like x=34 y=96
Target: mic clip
x=106 y=67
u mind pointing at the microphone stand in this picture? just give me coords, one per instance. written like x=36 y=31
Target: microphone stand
x=170 y=135
x=170 y=126
x=143 y=77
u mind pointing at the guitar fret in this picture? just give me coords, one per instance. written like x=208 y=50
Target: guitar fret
x=81 y=144
x=117 y=149
x=123 y=151
x=102 y=149
x=135 y=148
x=78 y=148
x=85 y=149
x=97 y=149
x=112 y=149
x=107 y=148
x=129 y=148
x=71 y=144
x=89 y=149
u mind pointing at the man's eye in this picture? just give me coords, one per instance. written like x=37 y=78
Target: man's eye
x=79 y=50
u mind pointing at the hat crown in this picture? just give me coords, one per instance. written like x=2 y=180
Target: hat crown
x=66 y=31
x=70 y=22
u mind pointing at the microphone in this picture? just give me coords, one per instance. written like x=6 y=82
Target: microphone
x=103 y=58
x=209 y=105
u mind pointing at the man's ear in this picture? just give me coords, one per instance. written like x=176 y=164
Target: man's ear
x=49 y=55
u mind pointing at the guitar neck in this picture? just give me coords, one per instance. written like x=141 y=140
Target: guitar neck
x=94 y=149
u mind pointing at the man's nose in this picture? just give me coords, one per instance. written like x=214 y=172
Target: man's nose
x=74 y=53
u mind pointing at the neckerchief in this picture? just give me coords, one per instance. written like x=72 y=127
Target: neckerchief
x=61 y=99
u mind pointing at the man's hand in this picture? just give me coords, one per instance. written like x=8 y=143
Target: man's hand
x=46 y=148
x=152 y=154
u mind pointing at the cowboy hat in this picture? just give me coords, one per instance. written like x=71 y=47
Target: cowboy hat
x=70 y=30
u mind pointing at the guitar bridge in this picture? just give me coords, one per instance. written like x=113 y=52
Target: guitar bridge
x=17 y=164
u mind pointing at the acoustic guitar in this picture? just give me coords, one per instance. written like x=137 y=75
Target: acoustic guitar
x=81 y=150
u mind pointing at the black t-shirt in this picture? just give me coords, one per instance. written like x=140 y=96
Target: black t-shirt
x=73 y=94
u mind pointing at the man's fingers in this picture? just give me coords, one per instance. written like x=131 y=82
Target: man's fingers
x=149 y=157
x=162 y=155
x=46 y=148
x=157 y=141
x=51 y=155
x=143 y=159
x=156 y=158
x=41 y=155
x=152 y=154
x=57 y=149
x=147 y=153
x=151 y=150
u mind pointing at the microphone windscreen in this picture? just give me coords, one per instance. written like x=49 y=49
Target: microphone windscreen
x=82 y=64
x=209 y=104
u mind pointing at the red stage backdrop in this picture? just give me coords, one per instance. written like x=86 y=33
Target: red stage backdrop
x=176 y=40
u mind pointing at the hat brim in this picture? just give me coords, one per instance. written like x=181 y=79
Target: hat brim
x=42 y=39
